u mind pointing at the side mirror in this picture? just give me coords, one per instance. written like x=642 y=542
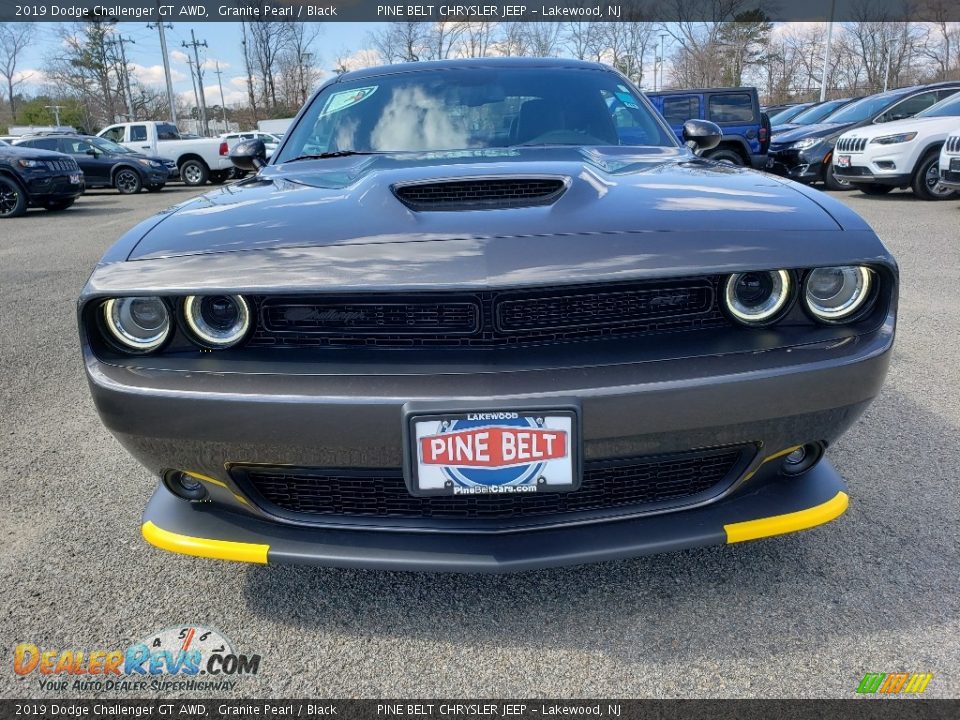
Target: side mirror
x=700 y=135
x=92 y=151
x=249 y=155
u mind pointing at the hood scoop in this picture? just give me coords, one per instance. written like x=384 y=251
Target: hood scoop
x=489 y=193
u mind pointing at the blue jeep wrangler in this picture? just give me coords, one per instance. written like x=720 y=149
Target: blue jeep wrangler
x=746 y=130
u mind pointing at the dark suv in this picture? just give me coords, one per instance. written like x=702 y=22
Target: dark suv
x=37 y=178
x=107 y=164
x=746 y=130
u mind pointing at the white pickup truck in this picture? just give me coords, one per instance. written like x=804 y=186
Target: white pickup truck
x=199 y=160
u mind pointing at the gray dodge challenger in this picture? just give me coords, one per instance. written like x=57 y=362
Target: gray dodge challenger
x=484 y=316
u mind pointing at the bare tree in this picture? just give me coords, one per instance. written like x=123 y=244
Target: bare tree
x=942 y=48
x=14 y=38
x=476 y=38
x=267 y=40
x=85 y=68
x=400 y=42
x=627 y=45
x=586 y=40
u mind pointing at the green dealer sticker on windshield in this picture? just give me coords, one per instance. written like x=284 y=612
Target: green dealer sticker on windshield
x=345 y=98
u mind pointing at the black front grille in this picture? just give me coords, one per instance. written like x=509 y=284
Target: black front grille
x=480 y=194
x=607 y=485
x=490 y=319
x=65 y=165
x=855 y=170
x=851 y=144
x=953 y=144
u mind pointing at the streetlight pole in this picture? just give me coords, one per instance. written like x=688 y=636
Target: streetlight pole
x=223 y=107
x=304 y=58
x=166 y=70
x=663 y=55
x=826 y=52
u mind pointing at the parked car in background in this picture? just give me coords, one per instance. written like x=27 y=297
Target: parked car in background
x=904 y=153
x=804 y=153
x=107 y=164
x=746 y=131
x=813 y=114
x=37 y=178
x=270 y=141
x=950 y=161
x=788 y=113
x=199 y=160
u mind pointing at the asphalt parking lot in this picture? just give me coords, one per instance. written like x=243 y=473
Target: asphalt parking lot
x=799 y=616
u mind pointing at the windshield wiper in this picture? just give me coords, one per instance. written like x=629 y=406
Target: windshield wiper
x=333 y=154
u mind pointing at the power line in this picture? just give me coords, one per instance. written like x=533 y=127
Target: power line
x=196 y=44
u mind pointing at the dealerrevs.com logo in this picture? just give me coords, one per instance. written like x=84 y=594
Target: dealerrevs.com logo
x=180 y=658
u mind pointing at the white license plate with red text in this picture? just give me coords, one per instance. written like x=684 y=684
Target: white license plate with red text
x=497 y=452
x=843 y=161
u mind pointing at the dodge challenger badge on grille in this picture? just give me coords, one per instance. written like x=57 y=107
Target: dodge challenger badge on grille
x=487 y=315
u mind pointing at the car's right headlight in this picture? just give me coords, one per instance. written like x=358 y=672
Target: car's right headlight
x=757 y=298
x=836 y=294
x=137 y=324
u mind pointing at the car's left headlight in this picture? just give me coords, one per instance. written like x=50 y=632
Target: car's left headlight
x=805 y=143
x=217 y=321
x=836 y=294
x=894 y=139
x=30 y=163
x=148 y=163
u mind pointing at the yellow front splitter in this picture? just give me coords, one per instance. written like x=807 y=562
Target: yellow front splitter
x=204 y=547
x=788 y=523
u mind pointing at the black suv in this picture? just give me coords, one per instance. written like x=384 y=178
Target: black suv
x=107 y=164
x=746 y=130
x=37 y=178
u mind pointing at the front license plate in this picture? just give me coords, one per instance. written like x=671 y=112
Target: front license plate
x=494 y=453
x=843 y=161
x=74 y=179
x=955 y=164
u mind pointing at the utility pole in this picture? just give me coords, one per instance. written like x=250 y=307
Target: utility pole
x=193 y=82
x=56 y=113
x=125 y=73
x=223 y=107
x=196 y=44
x=166 y=68
x=826 y=52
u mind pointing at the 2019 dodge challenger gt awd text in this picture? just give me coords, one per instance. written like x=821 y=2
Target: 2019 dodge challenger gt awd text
x=486 y=316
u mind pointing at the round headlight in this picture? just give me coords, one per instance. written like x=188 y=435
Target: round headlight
x=217 y=321
x=137 y=324
x=834 y=294
x=756 y=298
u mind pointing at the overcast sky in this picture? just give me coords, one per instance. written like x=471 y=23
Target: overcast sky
x=223 y=39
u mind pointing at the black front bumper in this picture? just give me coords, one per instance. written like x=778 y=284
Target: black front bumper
x=951 y=178
x=54 y=189
x=775 y=508
x=796 y=165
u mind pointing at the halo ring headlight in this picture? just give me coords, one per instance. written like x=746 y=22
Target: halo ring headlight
x=137 y=324
x=835 y=294
x=759 y=297
x=217 y=321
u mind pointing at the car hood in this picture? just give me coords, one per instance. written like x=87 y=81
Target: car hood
x=914 y=124
x=350 y=201
x=16 y=151
x=818 y=130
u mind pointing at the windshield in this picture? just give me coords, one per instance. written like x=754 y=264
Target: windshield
x=787 y=114
x=475 y=108
x=817 y=112
x=948 y=107
x=864 y=109
x=108 y=145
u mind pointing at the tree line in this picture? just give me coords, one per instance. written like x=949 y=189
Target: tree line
x=88 y=79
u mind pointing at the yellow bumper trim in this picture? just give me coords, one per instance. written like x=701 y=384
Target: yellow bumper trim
x=791 y=522
x=202 y=547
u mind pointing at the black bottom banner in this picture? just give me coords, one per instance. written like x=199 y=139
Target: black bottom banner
x=203 y=709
